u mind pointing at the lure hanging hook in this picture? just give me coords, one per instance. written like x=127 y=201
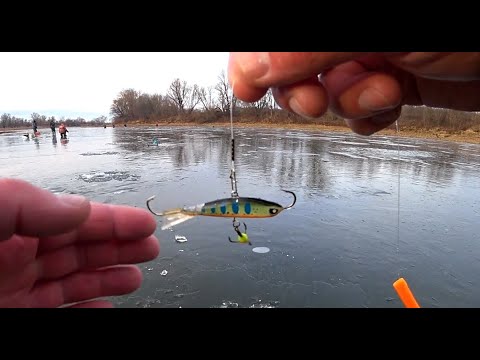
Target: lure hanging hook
x=236 y=226
x=150 y=209
x=242 y=237
x=294 y=200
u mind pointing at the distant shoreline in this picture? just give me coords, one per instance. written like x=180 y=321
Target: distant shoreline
x=468 y=136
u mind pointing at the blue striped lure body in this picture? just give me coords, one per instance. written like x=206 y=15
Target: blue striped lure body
x=233 y=207
x=241 y=207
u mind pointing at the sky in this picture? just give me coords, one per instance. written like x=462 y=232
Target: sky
x=85 y=84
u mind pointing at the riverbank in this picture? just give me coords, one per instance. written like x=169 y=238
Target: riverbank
x=468 y=136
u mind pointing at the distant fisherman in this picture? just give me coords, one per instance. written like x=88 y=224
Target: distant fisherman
x=52 y=125
x=62 y=129
x=34 y=126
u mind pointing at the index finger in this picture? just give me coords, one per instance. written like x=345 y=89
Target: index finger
x=106 y=222
x=251 y=74
x=28 y=210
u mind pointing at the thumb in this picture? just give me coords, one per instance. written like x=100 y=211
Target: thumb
x=252 y=73
x=29 y=210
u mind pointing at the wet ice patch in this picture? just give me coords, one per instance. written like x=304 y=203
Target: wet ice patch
x=261 y=250
x=147 y=302
x=349 y=143
x=265 y=305
x=228 y=304
x=374 y=192
x=120 y=192
x=346 y=154
x=100 y=176
x=103 y=153
x=256 y=304
x=381 y=192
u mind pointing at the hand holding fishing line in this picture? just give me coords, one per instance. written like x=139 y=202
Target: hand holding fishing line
x=45 y=262
x=366 y=89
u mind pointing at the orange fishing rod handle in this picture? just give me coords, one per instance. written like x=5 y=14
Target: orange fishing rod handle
x=405 y=294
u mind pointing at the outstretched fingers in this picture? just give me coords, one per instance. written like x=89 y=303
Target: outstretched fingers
x=106 y=223
x=88 y=285
x=94 y=304
x=89 y=256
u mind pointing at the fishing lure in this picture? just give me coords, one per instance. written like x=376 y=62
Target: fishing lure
x=233 y=207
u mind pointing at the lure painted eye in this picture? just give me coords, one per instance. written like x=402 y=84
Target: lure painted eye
x=273 y=211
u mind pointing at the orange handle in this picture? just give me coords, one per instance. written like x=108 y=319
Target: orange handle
x=405 y=294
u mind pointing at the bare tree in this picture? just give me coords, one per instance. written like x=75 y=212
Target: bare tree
x=143 y=108
x=262 y=105
x=222 y=88
x=177 y=92
x=123 y=107
x=9 y=121
x=206 y=98
x=36 y=116
x=5 y=120
x=260 y=108
x=101 y=120
x=193 y=98
x=184 y=97
x=162 y=105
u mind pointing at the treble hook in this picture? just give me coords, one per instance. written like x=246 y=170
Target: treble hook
x=242 y=237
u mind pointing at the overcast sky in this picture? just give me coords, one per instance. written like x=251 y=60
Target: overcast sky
x=87 y=83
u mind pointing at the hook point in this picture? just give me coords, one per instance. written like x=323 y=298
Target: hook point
x=294 y=199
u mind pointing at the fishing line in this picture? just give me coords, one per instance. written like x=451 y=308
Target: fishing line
x=398 y=194
x=233 y=177
x=401 y=285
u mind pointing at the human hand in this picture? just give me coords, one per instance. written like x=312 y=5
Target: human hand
x=366 y=89
x=59 y=250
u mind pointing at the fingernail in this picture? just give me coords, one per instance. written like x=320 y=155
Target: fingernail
x=254 y=64
x=72 y=200
x=296 y=108
x=373 y=100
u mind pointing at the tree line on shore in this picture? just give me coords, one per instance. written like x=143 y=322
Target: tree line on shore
x=185 y=103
